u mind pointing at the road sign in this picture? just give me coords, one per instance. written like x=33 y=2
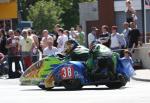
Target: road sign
x=25 y=24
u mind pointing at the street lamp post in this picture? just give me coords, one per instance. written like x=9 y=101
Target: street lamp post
x=20 y=11
x=143 y=20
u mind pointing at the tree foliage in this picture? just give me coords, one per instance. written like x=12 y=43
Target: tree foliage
x=52 y=11
x=44 y=15
x=70 y=16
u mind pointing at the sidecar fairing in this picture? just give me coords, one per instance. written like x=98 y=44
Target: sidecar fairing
x=39 y=70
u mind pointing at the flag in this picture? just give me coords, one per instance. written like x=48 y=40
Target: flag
x=147 y=3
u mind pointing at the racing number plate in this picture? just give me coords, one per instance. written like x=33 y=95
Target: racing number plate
x=67 y=72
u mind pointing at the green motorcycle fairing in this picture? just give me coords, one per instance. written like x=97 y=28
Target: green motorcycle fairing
x=80 y=53
x=100 y=50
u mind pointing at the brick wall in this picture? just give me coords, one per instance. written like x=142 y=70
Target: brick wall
x=106 y=15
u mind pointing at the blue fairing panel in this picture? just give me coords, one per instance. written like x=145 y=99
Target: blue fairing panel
x=70 y=70
x=124 y=66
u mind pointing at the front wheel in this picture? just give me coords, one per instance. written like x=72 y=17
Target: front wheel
x=72 y=84
x=42 y=86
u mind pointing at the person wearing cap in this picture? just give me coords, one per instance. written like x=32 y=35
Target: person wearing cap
x=92 y=36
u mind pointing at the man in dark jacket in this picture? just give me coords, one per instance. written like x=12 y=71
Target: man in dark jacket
x=133 y=36
x=3 y=39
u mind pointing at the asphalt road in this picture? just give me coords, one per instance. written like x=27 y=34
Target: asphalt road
x=133 y=92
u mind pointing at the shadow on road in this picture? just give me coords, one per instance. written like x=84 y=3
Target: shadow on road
x=83 y=89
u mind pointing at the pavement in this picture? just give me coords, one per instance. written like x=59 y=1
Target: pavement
x=142 y=75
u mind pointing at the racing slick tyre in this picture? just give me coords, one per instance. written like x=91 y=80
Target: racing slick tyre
x=42 y=86
x=116 y=85
x=72 y=84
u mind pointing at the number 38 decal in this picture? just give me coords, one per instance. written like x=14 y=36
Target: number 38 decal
x=67 y=72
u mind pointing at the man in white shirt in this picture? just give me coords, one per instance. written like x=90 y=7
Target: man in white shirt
x=114 y=39
x=92 y=36
x=50 y=50
x=117 y=40
x=61 y=40
x=26 y=43
x=26 y=49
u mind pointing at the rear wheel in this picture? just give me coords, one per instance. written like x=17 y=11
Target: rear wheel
x=72 y=84
x=115 y=85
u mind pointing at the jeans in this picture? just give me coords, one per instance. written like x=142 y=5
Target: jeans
x=17 y=69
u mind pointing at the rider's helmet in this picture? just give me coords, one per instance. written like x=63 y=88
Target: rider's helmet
x=70 y=45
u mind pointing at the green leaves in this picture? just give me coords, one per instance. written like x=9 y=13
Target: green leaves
x=70 y=17
x=44 y=15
